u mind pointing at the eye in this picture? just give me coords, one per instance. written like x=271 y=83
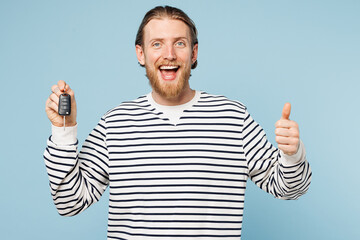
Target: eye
x=180 y=44
x=156 y=44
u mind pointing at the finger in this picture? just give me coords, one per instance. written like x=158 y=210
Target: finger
x=53 y=97
x=47 y=104
x=55 y=89
x=286 y=111
x=282 y=140
x=285 y=132
x=284 y=123
x=287 y=140
x=51 y=106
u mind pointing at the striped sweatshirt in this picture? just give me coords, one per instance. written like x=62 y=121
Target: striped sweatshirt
x=173 y=181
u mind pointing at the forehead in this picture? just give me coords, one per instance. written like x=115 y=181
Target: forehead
x=166 y=28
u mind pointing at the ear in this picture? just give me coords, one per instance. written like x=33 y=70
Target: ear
x=194 y=54
x=140 y=54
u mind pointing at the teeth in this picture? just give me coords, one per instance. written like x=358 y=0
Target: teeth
x=168 y=67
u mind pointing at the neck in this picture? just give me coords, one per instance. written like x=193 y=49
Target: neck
x=184 y=97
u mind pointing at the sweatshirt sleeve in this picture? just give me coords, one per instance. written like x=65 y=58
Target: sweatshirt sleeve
x=77 y=179
x=283 y=176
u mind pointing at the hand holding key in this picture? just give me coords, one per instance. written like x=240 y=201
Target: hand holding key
x=52 y=108
x=287 y=132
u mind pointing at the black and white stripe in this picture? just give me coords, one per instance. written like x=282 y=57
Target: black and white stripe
x=184 y=181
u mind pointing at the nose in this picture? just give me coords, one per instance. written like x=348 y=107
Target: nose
x=169 y=53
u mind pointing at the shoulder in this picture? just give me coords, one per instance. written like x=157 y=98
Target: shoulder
x=220 y=100
x=139 y=104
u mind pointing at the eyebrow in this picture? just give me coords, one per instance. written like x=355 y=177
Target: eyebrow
x=161 y=39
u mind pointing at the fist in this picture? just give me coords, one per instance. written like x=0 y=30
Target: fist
x=51 y=107
x=287 y=132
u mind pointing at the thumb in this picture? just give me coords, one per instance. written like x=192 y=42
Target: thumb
x=62 y=85
x=286 y=111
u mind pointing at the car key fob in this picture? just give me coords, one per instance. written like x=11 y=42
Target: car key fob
x=64 y=104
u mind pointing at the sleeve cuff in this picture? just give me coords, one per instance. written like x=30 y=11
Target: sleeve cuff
x=61 y=136
x=290 y=160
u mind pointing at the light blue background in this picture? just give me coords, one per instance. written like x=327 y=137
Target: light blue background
x=262 y=53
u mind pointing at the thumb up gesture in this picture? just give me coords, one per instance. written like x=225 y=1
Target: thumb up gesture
x=287 y=132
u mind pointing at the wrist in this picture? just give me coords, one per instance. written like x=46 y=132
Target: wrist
x=67 y=123
x=64 y=136
x=288 y=160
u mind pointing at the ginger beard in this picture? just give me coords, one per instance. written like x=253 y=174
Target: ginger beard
x=168 y=89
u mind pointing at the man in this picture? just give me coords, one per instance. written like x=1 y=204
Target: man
x=176 y=160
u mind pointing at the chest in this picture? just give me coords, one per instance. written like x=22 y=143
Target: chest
x=208 y=150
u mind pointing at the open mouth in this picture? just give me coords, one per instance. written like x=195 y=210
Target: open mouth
x=168 y=72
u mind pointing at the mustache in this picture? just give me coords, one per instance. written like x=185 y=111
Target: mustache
x=169 y=63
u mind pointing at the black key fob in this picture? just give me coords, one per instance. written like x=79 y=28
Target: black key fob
x=64 y=105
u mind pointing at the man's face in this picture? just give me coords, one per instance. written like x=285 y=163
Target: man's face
x=167 y=55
